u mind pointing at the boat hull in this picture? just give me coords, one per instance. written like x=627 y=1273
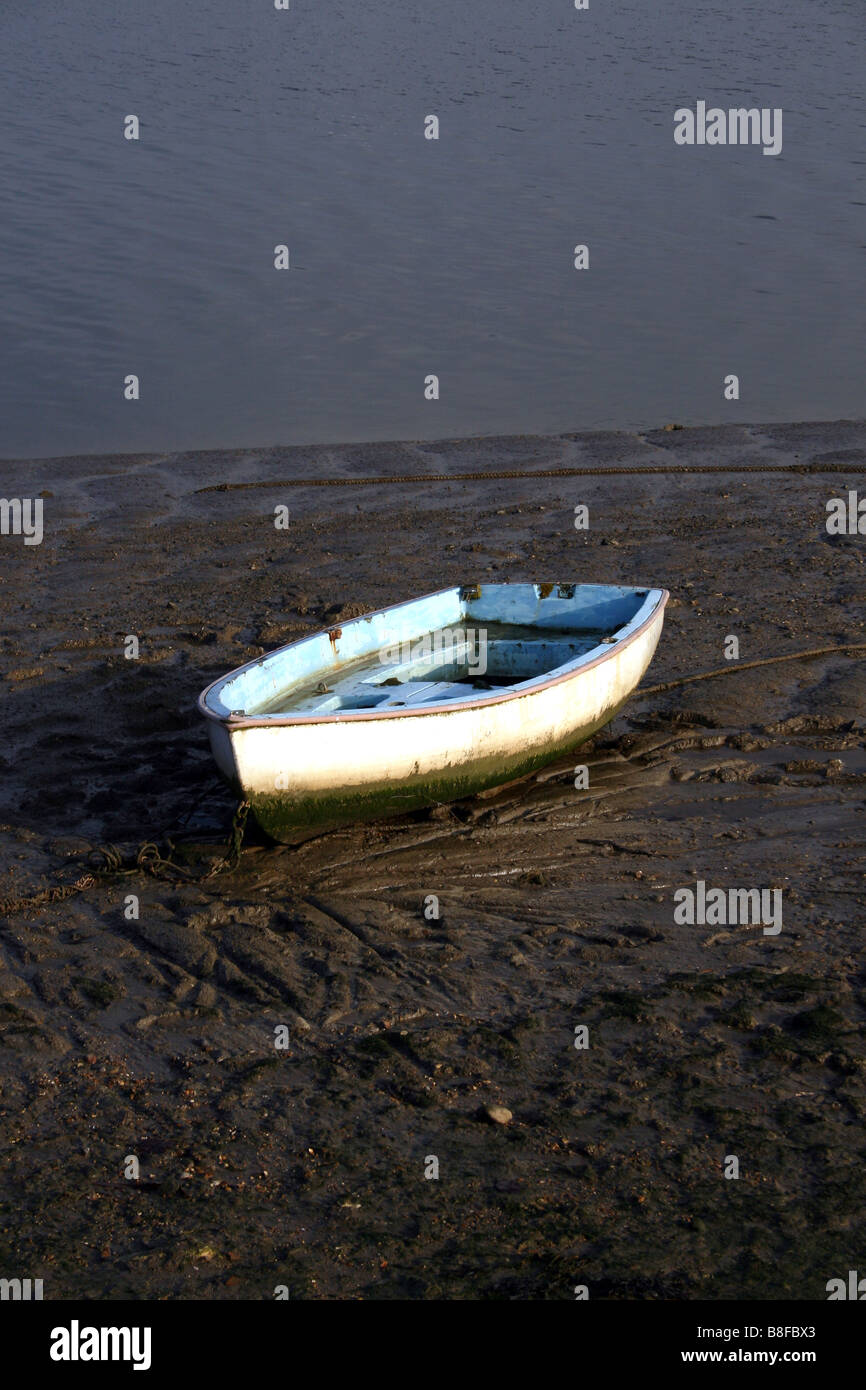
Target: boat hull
x=304 y=777
x=302 y=812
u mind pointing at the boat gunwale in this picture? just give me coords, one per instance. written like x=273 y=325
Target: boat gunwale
x=231 y=722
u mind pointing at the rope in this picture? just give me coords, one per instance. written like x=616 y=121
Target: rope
x=148 y=859
x=542 y=473
x=749 y=666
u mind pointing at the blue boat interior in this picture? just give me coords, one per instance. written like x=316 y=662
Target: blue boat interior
x=453 y=646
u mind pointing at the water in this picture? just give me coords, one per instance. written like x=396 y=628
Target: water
x=410 y=256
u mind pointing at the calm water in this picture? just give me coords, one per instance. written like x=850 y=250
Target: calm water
x=411 y=256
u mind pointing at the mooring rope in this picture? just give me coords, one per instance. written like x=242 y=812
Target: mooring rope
x=148 y=858
x=483 y=476
x=749 y=665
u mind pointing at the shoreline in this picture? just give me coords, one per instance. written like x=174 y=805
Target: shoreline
x=754 y=429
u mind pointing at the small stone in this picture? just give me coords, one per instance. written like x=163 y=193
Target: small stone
x=498 y=1114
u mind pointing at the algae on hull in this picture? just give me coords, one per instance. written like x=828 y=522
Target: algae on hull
x=292 y=820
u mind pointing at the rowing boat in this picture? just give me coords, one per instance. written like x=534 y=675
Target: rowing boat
x=428 y=701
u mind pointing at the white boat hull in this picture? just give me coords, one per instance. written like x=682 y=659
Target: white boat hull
x=304 y=776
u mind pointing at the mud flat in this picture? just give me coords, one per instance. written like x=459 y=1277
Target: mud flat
x=305 y=1167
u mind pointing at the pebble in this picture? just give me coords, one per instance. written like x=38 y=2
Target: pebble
x=498 y=1114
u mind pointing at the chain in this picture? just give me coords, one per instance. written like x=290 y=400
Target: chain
x=232 y=857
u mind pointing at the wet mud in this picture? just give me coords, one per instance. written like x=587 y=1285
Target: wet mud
x=411 y=1024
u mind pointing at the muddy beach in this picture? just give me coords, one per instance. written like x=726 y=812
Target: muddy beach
x=304 y=1167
